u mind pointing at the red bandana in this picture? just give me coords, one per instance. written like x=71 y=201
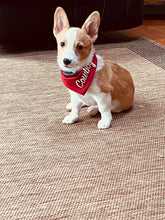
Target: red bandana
x=81 y=80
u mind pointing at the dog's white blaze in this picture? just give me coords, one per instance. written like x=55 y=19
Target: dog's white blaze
x=69 y=52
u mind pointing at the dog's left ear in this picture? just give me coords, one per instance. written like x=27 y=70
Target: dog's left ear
x=91 y=25
x=61 y=21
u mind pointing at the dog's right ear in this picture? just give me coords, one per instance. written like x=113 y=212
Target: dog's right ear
x=60 y=21
x=91 y=25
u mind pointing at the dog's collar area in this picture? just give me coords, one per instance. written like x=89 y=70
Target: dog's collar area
x=80 y=81
x=69 y=73
x=72 y=74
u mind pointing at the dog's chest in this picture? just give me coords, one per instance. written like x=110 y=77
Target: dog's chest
x=87 y=99
x=90 y=96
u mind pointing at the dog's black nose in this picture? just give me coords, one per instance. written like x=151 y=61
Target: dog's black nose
x=66 y=61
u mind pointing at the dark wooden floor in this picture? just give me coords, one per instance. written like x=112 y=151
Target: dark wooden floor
x=153 y=29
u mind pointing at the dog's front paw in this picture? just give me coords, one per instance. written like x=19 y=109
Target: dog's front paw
x=104 y=124
x=69 y=119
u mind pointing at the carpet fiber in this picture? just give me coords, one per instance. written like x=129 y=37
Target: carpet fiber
x=49 y=170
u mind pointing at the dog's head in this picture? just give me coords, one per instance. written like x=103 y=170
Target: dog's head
x=75 y=45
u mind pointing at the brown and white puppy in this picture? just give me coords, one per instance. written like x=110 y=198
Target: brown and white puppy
x=112 y=87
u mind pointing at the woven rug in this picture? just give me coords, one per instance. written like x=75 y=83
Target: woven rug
x=49 y=170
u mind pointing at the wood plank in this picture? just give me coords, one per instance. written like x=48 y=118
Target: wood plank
x=150 y=1
x=153 y=29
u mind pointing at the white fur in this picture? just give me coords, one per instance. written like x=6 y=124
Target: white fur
x=69 y=53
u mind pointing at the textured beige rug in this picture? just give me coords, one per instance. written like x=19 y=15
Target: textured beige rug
x=49 y=170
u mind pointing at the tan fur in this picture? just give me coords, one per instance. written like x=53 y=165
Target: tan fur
x=85 y=41
x=118 y=81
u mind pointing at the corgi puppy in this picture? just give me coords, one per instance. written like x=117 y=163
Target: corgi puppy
x=92 y=81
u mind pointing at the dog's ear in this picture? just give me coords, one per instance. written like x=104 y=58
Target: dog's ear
x=60 y=21
x=91 y=25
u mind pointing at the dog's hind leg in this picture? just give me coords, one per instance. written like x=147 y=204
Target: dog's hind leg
x=93 y=110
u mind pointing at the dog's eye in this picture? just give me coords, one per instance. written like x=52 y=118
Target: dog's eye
x=79 y=47
x=62 y=44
